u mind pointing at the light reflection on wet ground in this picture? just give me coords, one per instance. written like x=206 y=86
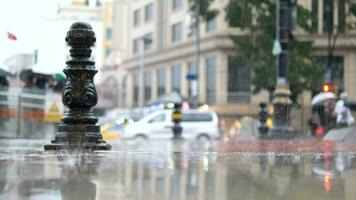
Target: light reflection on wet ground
x=166 y=170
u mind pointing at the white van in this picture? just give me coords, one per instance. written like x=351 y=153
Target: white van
x=158 y=125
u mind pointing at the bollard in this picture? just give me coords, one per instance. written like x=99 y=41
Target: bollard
x=263 y=115
x=78 y=129
x=177 y=118
x=281 y=114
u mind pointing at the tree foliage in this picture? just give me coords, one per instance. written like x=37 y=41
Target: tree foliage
x=205 y=10
x=254 y=49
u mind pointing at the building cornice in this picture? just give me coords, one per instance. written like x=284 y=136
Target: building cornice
x=320 y=41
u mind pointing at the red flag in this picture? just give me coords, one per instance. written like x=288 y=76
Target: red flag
x=11 y=36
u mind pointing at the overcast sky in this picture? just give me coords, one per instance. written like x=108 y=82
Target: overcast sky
x=36 y=25
x=23 y=18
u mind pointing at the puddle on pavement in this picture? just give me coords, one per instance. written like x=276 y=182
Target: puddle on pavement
x=131 y=172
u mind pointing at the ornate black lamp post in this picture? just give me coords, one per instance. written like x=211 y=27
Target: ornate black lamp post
x=78 y=129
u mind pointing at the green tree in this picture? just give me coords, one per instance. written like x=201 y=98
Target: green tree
x=203 y=6
x=254 y=49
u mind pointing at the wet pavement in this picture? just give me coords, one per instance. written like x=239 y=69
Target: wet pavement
x=251 y=170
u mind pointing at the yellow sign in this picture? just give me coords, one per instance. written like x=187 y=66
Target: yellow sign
x=53 y=108
x=177 y=116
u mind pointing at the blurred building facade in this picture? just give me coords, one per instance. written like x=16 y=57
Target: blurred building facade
x=341 y=24
x=170 y=56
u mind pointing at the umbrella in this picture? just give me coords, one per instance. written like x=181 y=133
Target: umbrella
x=4 y=71
x=322 y=97
x=60 y=77
x=26 y=75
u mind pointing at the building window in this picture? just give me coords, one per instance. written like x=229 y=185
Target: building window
x=177 y=4
x=135 y=89
x=136 y=45
x=239 y=82
x=108 y=33
x=193 y=69
x=123 y=88
x=177 y=32
x=161 y=82
x=192 y=31
x=137 y=17
x=211 y=25
x=211 y=80
x=149 y=13
x=148 y=41
x=328 y=16
x=148 y=85
x=92 y=3
x=159 y=118
x=334 y=72
x=342 y=16
x=314 y=13
x=176 y=77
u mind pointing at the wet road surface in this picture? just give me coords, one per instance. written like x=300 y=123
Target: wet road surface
x=180 y=170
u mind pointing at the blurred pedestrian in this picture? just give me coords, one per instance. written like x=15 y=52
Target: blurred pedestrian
x=315 y=121
x=234 y=129
x=222 y=129
x=329 y=120
x=60 y=81
x=344 y=117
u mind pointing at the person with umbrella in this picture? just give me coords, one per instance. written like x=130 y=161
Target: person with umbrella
x=323 y=116
x=60 y=81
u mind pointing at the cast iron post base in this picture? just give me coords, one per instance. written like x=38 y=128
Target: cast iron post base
x=80 y=137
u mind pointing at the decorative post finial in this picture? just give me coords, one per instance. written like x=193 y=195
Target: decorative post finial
x=78 y=128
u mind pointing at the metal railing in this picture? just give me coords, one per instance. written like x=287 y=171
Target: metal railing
x=22 y=112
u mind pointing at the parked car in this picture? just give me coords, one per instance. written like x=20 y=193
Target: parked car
x=158 y=125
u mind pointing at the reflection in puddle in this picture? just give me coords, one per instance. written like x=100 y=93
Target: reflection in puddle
x=176 y=175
